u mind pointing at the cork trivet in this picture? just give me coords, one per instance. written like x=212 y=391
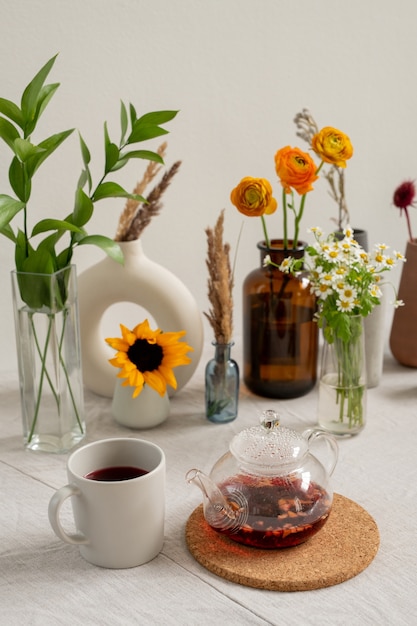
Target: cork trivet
x=343 y=548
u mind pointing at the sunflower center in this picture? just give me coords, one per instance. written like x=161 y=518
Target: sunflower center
x=146 y=356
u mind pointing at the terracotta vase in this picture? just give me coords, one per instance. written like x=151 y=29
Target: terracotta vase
x=403 y=337
x=142 y=282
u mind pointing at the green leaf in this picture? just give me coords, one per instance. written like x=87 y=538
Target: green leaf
x=38 y=294
x=7 y=231
x=85 y=153
x=123 y=122
x=8 y=132
x=83 y=208
x=12 y=111
x=21 y=250
x=24 y=149
x=45 y=95
x=19 y=181
x=148 y=126
x=143 y=133
x=133 y=114
x=109 y=246
x=50 y=242
x=111 y=190
x=47 y=146
x=64 y=258
x=9 y=207
x=52 y=224
x=157 y=118
x=30 y=97
x=142 y=154
x=82 y=179
x=120 y=163
x=111 y=151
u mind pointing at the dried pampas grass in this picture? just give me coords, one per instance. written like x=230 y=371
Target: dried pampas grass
x=137 y=215
x=220 y=283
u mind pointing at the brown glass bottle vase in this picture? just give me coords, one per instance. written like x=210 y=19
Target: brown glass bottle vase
x=280 y=336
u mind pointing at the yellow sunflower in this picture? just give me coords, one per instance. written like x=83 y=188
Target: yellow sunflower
x=148 y=356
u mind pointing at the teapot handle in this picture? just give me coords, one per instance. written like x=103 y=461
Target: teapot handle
x=312 y=434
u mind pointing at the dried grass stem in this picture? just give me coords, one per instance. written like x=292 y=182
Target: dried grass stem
x=220 y=283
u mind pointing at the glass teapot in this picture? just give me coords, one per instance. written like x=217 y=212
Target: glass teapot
x=269 y=491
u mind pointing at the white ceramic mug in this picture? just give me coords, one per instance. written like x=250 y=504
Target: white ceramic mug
x=119 y=521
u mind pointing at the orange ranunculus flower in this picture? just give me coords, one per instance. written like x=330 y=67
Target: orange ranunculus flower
x=332 y=146
x=253 y=197
x=296 y=170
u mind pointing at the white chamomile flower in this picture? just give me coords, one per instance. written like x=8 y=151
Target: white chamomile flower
x=390 y=261
x=348 y=293
x=285 y=265
x=323 y=290
x=332 y=253
x=316 y=230
x=327 y=278
x=345 y=305
x=375 y=291
x=267 y=260
x=348 y=232
x=398 y=303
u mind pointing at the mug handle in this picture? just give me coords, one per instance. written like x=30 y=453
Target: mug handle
x=54 y=509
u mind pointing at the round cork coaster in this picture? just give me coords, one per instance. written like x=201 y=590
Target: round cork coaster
x=343 y=548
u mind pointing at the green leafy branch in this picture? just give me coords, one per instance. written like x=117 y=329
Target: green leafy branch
x=17 y=124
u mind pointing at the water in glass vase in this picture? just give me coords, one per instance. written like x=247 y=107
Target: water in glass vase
x=341 y=410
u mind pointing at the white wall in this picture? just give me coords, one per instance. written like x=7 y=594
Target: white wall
x=238 y=70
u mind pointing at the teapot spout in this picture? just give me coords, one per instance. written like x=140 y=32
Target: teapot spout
x=217 y=510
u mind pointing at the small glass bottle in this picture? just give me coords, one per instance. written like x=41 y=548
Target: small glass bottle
x=221 y=385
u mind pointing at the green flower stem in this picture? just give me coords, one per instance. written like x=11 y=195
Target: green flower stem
x=268 y=243
x=41 y=356
x=45 y=373
x=285 y=218
x=61 y=360
x=350 y=389
x=298 y=220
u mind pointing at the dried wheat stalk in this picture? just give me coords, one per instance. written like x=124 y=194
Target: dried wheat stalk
x=133 y=206
x=220 y=283
x=152 y=207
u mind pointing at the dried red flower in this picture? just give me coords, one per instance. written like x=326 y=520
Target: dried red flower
x=404 y=194
x=403 y=198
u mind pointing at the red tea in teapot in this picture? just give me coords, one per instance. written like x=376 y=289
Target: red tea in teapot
x=282 y=511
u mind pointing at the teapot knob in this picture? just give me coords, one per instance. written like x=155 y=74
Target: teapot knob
x=269 y=419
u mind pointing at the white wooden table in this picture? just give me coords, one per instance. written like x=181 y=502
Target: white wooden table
x=45 y=582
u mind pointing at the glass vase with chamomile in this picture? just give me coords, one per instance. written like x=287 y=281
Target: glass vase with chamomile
x=342 y=391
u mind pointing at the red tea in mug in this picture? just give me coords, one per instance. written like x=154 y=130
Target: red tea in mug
x=116 y=473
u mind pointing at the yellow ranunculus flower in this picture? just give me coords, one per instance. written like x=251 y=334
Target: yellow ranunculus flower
x=296 y=170
x=253 y=197
x=332 y=146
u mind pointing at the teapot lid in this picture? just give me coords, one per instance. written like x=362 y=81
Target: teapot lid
x=268 y=448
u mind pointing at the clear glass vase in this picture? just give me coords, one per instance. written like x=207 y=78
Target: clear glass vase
x=342 y=391
x=221 y=385
x=49 y=359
